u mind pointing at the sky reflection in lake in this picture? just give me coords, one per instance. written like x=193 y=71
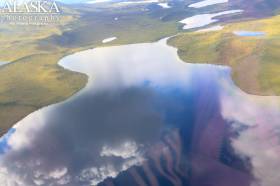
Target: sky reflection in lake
x=138 y=99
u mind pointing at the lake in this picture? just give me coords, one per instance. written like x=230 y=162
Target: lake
x=202 y=20
x=205 y=3
x=145 y=112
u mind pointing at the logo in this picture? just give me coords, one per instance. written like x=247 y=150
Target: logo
x=27 y=12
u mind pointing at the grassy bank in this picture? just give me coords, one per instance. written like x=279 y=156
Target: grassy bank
x=33 y=82
x=255 y=60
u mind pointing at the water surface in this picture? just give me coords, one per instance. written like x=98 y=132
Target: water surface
x=248 y=33
x=202 y=20
x=205 y=3
x=145 y=112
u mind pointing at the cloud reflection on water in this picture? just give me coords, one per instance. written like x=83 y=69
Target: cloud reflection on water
x=117 y=106
x=135 y=94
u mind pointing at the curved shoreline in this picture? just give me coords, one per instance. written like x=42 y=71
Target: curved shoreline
x=21 y=138
x=158 y=76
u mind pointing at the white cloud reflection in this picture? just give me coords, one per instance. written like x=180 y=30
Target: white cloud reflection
x=99 y=132
x=261 y=141
x=125 y=150
x=50 y=143
x=205 y=3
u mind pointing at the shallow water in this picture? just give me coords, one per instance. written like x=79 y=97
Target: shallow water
x=142 y=104
x=249 y=33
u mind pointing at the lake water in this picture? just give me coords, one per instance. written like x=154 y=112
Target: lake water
x=248 y=33
x=205 y=3
x=143 y=106
x=202 y=20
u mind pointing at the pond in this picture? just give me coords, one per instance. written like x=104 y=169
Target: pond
x=202 y=20
x=145 y=113
x=244 y=33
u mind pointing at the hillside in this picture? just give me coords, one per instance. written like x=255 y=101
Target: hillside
x=254 y=59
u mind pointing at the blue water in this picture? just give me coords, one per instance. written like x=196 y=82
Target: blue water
x=4 y=146
x=249 y=33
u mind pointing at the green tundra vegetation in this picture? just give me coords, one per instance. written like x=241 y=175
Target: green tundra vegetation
x=255 y=60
